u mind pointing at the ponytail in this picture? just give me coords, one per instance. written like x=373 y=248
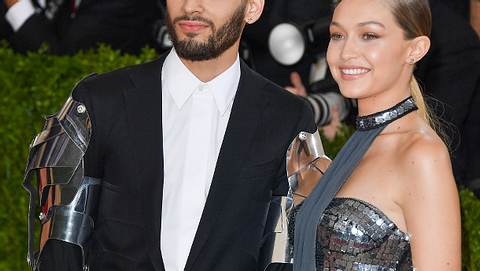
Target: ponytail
x=417 y=95
x=424 y=111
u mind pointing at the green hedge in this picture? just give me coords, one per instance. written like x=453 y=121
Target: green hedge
x=471 y=230
x=31 y=87
x=37 y=84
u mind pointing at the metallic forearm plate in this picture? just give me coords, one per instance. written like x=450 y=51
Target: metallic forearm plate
x=62 y=199
x=306 y=163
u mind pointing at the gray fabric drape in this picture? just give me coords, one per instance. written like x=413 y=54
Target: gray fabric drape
x=313 y=207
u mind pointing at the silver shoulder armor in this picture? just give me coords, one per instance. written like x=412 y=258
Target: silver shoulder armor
x=306 y=163
x=62 y=199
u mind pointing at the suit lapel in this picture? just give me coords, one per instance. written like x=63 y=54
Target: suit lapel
x=144 y=111
x=244 y=121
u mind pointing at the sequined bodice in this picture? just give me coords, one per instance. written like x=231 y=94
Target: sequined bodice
x=354 y=235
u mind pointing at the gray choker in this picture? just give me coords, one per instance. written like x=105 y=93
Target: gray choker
x=387 y=116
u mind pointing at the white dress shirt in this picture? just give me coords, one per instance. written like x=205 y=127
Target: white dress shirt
x=195 y=116
x=19 y=13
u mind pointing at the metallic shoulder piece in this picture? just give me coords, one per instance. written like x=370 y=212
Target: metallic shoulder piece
x=62 y=199
x=306 y=163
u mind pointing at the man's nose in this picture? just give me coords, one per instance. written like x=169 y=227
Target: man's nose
x=193 y=6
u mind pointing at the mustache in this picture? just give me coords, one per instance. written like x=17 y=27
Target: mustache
x=194 y=18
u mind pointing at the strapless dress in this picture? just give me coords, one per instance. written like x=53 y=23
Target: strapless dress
x=355 y=235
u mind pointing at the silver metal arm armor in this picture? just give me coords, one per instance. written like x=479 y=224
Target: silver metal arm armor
x=306 y=163
x=62 y=199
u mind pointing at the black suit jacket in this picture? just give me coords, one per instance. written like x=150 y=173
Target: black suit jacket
x=5 y=29
x=123 y=24
x=126 y=152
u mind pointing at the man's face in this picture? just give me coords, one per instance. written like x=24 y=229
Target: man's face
x=204 y=29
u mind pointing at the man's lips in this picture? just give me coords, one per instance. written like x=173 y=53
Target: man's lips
x=192 y=26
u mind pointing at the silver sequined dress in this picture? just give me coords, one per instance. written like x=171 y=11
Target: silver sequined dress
x=354 y=235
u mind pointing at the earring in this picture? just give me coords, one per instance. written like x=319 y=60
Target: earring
x=411 y=60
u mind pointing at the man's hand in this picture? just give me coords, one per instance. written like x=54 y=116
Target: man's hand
x=10 y=3
x=297 y=86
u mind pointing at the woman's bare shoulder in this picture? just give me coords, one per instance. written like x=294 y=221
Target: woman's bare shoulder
x=429 y=201
x=423 y=147
x=424 y=161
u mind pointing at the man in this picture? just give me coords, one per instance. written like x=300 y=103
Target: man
x=475 y=15
x=68 y=26
x=5 y=29
x=190 y=149
x=454 y=84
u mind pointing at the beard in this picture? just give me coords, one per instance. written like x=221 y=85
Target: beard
x=218 y=42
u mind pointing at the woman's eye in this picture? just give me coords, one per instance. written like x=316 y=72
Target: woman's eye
x=336 y=36
x=369 y=36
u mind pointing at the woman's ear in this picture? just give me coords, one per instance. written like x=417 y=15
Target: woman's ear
x=418 y=48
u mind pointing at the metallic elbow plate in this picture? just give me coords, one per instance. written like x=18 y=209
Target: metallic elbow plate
x=306 y=163
x=62 y=199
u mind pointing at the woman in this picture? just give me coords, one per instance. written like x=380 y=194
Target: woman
x=389 y=200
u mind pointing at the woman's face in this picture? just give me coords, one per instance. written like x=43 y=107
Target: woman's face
x=367 y=53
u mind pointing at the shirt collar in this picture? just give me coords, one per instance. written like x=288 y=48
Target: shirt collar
x=181 y=83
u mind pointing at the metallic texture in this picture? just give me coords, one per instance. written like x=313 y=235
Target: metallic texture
x=62 y=199
x=387 y=116
x=355 y=235
x=305 y=153
x=306 y=162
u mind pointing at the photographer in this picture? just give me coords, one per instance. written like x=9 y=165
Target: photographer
x=69 y=26
x=328 y=105
x=5 y=29
x=449 y=74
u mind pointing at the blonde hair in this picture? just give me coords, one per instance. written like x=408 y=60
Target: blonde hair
x=423 y=109
x=415 y=19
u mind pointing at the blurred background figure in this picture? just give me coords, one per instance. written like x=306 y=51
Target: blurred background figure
x=475 y=15
x=256 y=37
x=450 y=75
x=68 y=26
x=5 y=29
x=468 y=9
x=297 y=62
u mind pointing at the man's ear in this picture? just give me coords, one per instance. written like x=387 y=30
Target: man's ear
x=254 y=10
x=419 y=47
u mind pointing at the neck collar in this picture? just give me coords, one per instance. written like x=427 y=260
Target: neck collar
x=387 y=116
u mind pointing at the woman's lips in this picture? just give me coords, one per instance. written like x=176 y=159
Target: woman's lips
x=353 y=72
x=192 y=26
